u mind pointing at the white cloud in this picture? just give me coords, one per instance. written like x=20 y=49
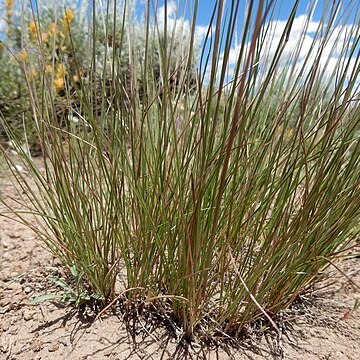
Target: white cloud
x=305 y=36
x=171 y=11
x=2 y=21
x=2 y=25
x=178 y=24
x=201 y=31
x=179 y=30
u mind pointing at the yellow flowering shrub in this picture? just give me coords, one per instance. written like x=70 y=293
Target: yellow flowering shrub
x=44 y=37
x=55 y=36
x=9 y=9
x=42 y=48
x=59 y=84
x=48 y=69
x=33 y=74
x=32 y=29
x=59 y=80
x=53 y=29
x=23 y=55
x=67 y=20
x=60 y=70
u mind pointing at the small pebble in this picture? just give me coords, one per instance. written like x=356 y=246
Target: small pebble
x=14 y=286
x=18 y=168
x=16 y=300
x=36 y=346
x=5 y=309
x=4 y=343
x=53 y=347
x=14 y=330
x=5 y=325
x=14 y=235
x=4 y=302
x=27 y=290
x=5 y=245
x=7 y=256
x=28 y=314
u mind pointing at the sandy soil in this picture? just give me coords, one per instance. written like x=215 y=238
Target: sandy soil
x=323 y=325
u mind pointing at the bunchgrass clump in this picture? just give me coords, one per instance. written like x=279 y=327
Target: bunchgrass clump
x=220 y=193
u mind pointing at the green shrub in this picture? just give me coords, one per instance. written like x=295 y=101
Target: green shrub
x=51 y=48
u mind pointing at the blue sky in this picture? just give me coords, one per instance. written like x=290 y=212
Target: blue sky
x=180 y=9
x=313 y=38
x=283 y=8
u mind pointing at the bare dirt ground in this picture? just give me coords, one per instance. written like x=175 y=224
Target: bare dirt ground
x=322 y=325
